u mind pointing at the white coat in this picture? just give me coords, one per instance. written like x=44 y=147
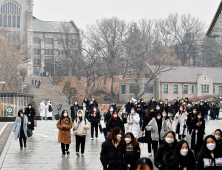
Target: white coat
x=182 y=123
x=49 y=114
x=79 y=130
x=169 y=125
x=42 y=113
x=135 y=127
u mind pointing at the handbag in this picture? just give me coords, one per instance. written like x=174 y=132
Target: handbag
x=29 y=133
x=35 y=123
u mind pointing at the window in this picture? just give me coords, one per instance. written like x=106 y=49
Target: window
x=36 y=40
x=36 y=61
x=18 y=21
x=204 y=88
x=48 y=40
x=185 y=89
x=61 y=52
x=220 y=90
x=131 y=88
x=48 y=51
x=175 y=89
x=9 y=21
x=192 y=88
x=146 y=76
x=47 y=61
x=165 y=88
x=148 y=88
x=123 y=89
x=213 y=89
x=37 y=51
x=205 y=78
x=62 y=41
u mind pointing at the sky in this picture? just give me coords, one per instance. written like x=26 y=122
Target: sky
x=86 y=12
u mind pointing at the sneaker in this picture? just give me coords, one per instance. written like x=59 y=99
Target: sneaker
x=77 y=153
x=68 y=153
x=92 y=138
x=150 y=154
x=63 y=155
x=20 y=148
x=25 y=146
x=82 y=154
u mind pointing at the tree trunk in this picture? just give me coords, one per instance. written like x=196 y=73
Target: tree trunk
x=112 y=85
x=105 y=79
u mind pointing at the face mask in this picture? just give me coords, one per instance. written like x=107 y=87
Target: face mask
x=189 y=104
x=132 y=111
x=21 y=115
x=201 y=104
x=115 y=116
x=65 y=114
x=217 y=137
x=113 y=103
x=211 y=146
x=80 y=115
x=164 y=114
x=85 y=99
x=169 y=140
x=75 y=102
x=181 y=109
x=130 y=101
x=169 y=105
x=158 y=117
x=205 y=101
x=153 y=99
x=111 y=110
x=184 y=152
x=120 y=113
x=157 y=108
x=199 y=116
x=161 y=102
x=127 y=140
x=138 y=105
x=92 y=99
x=194 y=112
x=84 y=105
x=178 y=99
x=118 y=136
x=94 y=110
x=91 y=102
x=30 y=107
x=142 y=101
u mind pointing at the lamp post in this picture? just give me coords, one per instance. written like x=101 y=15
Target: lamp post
x=22 y=87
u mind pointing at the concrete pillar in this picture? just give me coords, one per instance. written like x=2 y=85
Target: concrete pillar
x=23 y=105
x=14 y=105
x=17 y=103
x=3 y=105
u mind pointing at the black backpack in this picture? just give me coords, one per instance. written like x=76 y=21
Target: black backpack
x=50 y=108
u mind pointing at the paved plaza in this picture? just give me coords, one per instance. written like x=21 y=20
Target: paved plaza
x=44 y=152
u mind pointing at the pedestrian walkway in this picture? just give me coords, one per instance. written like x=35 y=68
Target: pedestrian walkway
x=44 y=152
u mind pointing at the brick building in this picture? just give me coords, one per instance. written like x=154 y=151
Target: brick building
x=41 y=37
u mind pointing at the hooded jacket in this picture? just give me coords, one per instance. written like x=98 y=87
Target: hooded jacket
x=18 y=124
x=79 y=128
x=135 y=127
x=42 y=112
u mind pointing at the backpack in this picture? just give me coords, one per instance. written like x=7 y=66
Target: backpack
x=40 y=108
x=50 y=108
x=84 y=120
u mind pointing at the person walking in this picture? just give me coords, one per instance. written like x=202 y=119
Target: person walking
x=190 y=118
x=91 y=105
x=74 y=110
x=218 y=136
x=203 y=109
x=95 y=120
x=85 y=110
x=198 y=131
x=182 y=158
x=86 y=101
x=132 y=151
x=167 y=119
x=140 y=111
x=169 y=144
x=158 y=129
x=148 y=138
x=129 y=106
x=49 y=110
x=180 y=122
x=30 y=113
x=133 y=121
x=32 y=82
x=212 y=111
x=113 y=151
x=42 y=108
x=209 y=156
x=108 y=114
x=20 y=128
x=115 y=121
x=152 y=103
x=217 y=110
x=81 y=125
x=64 y=125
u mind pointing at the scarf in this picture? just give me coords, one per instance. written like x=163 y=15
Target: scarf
x=115 y=144
x=115 y=118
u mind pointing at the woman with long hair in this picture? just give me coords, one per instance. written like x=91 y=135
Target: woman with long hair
x=64 y=125
x=167 y=118
x=113 y=151
x=115 y=121
x=218 y=136
x=181 y=158
x=210 y=155
x=30 y=113
x=132 y=151
x=190 y=118
x=198 y=131
x=95 y=120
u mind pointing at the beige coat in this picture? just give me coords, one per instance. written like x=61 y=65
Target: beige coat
x=64 y=132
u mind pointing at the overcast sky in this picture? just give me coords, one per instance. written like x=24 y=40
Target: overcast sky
x=85 y=12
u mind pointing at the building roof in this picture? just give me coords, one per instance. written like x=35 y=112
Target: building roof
x=52 y=26
x=215 y=29
x=190 y=74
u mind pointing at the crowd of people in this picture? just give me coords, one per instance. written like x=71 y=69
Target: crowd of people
x=37 y=83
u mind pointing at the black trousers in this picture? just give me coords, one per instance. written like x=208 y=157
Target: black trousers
x=22 y=137
x=80 y=140
x=94 y=125
x=155 y=145
x=181 y=136
x=64 y=147
x=149 y=147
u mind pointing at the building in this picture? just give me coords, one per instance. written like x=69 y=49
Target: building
x=178 y=82
x=42 y=38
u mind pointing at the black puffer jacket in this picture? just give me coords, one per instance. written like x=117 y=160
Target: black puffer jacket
x=129 y=106
x=107 y=117
x=115 y=123
x=152 y=104
x=30 y=113
x=185 y=161
x=161 y=152
x=113 y=157
x=132 y=157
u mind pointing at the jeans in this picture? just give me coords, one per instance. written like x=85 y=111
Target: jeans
x=80 y=140
x=22 y=137
x=65 y=147
x=96 y=129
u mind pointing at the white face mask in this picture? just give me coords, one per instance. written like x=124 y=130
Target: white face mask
x=65 y=114
x=21 y=115
x=138 y=105
x=158 y=117
x=161 y=102
x=142 y=101
x=91 y=102
x=201 y=104
x=120 y=113
x=184 y=152
x=194 y=112
x=199 y=116
x=164 y=114
x=157 y=108
x=80 y=115
x=118 y=136
x=132 y=111
x=115 y=116
x=75 y=102
x=130 y=101
x=211 y=146
x=153 y=99
x=169 y=140
x=85 y=99
x=217 y=137
x=111 y=110
x=30 y=107
x=92 y=99
x=169 y=105
x=127 y=140
x=94 y=110
x=189 y=104
x=181 y=109
x=84 y=105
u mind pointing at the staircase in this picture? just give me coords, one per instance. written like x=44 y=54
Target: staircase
x=46 y=91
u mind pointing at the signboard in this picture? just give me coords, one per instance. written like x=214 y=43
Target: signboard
x=9 y=111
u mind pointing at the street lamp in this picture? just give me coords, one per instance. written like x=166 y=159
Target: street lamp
x=22 y=87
